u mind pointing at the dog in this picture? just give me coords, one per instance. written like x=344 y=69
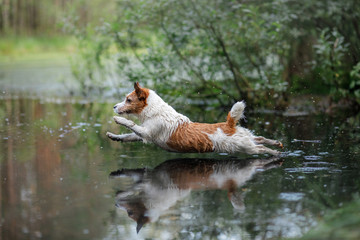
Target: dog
x=172 y=131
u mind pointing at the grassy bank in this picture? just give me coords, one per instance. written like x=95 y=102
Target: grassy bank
x=14 y=49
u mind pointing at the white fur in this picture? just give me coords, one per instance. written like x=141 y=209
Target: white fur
x=160 y=120
x=237 y=110
x=238 y=142
x=241 y=141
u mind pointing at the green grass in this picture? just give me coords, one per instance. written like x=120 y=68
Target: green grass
x=15 y=49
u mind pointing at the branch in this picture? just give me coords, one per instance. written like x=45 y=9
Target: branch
x=231 y=64
x=188 y=63
x=221 y=44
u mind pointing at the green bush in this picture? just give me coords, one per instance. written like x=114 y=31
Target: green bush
x=217 y=52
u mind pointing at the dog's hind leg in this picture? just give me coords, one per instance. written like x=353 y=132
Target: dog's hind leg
x=260 y=149
x=131 y=137
x=262 y=140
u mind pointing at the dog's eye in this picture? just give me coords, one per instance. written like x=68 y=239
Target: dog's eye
x=128 y=100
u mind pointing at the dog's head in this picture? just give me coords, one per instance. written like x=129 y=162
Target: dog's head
x=134 y=102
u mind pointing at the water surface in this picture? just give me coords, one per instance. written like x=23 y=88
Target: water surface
x=61 y=178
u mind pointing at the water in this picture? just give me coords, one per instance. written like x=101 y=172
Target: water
x=61 y=178
x=39 y=78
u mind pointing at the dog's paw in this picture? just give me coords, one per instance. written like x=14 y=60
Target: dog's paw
x=112 y=136
x=123 y=121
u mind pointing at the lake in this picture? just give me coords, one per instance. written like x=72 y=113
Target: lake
x=62 y=178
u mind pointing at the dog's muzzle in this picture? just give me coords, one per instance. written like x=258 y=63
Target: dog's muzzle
x=117 y=108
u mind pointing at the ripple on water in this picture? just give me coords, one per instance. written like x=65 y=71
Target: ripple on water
x=296 y=153
x=306 y=169
x=312 y=164
x=312 y=157
x=318 y=163
x=291 y=196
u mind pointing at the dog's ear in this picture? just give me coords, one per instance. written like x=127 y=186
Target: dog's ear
x=140 y=93
x=137 y=86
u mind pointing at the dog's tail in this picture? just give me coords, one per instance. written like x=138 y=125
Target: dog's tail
x=236 y=112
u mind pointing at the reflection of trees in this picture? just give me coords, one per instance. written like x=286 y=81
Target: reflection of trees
x=47 y=157
x=8 y=174
x=36 y=179
x=26 y=143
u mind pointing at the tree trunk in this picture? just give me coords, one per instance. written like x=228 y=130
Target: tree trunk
x=5 y=14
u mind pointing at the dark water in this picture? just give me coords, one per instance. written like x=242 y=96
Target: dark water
x=61 y=178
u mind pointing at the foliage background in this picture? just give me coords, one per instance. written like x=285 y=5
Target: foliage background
x=205 y=52
x=216 y=52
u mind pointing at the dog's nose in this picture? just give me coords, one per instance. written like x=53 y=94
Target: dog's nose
x=115 y=106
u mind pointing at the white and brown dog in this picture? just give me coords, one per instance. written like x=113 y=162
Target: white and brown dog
x=172 y=131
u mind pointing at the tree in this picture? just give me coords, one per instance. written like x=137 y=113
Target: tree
x=222 y=51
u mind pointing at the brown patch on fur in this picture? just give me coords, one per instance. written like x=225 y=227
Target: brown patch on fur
x=230 y=121
x=141 y=93
x=135 y=102
x=189 y=137
x=192 y=137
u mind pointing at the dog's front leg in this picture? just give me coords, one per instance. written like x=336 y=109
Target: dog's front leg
x=130 y=137
x=138 y=130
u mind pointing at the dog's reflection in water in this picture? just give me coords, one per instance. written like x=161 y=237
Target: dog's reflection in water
x=153 y=191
